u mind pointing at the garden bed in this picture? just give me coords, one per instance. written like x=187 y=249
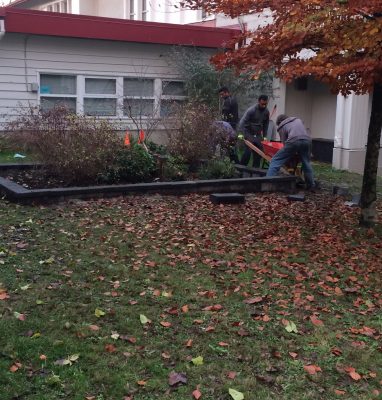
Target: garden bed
x=14 y=191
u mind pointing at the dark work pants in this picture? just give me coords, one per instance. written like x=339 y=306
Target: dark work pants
x=256 y=140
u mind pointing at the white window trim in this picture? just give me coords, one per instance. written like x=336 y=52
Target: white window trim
x=60 y=4
x=119 y=96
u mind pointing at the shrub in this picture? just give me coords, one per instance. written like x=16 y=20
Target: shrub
x=194 y=136
x=133 y=164
x=74 y=148
x=175 y=169
x=217 y=169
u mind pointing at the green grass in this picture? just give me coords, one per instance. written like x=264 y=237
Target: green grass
x=150 y=256
x=331 y=176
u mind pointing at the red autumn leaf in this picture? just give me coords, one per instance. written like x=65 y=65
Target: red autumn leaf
x=197 y=394
x=353 y=373
x=185 y=308
x=312 y=369
x=15 y=367
x=254 y=300
x=110 y=348
x=94 y=327
x=141 y=383
x=292 y=354
x=223 y=344
x=339 y=392
x=231 y=375
x=189 y=343
x=166 y=324
x=266 y=318
x=216 y=307
x=315 y=321
x=3 y=295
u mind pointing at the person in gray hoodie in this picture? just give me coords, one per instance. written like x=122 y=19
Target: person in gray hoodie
x=296 y=140
x=254 y=126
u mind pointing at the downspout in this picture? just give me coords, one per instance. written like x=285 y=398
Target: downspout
x=2 y=28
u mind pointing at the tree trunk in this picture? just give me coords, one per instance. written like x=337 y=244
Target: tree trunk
x=369 y=184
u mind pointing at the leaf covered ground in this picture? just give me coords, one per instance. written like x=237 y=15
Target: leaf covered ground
x=176 y=298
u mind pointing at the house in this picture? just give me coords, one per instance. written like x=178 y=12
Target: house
x=143 y=10
x=97 y=66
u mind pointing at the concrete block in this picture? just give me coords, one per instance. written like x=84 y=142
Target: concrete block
x=227 y=198
x=341 y=190
x=296 y=197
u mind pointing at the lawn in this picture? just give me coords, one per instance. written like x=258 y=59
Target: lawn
x=105 y=299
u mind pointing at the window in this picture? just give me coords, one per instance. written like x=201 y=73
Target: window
x=100 y=97
x=138 y=97
x=132 y=9
x=117 y=96
x=173 y=95
x=56 y=6
x=145 y=11
x=58 y=89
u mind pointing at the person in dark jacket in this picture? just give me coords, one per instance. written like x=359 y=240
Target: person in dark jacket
x=230 y=108
x=296 y=140
x=254 y=126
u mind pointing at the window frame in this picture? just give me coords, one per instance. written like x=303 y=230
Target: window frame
x=59 y=95
x=80 y=95
x=63 y=6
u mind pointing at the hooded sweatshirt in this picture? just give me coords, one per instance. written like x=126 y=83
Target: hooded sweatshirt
x=292 y=129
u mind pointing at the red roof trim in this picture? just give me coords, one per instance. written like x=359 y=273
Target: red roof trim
x=89 y=27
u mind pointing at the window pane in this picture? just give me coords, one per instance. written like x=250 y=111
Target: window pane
x=64 y=6
x=169 y=107
x=173 y=88
x=138 y=87
x=57 y=84
x=100 y=86
x=100 y=106
x=56 y=7
x=144 y=107
x=47 y=103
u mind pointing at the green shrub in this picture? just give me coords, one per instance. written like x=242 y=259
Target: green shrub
x=133 y=164
x=74 y=148
x=217 y=169
x=175 y=169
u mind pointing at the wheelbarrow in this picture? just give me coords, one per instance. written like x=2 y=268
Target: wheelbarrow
x=270 y=149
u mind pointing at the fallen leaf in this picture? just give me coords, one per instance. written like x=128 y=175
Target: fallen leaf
x=99 y=313
x=141 y=383
x=15 y=367
x=292 y=354
x=315 y=321
x=353 y=373
x=94 y=327
x=20 y=317
x=166 y=324
x=312 y=369
x=339 y=392
x=291 y=327
x=197 y=394
x=176 y=378
x=185 y=308
x=231 y=375
x=144 y=320
x=254 y=300
x=235 y=394
x=198 y=360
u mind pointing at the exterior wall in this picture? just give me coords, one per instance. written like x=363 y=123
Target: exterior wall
x=23 y=57
x=352 y=124
x=316 y=106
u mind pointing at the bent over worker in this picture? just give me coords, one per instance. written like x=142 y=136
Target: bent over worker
x=296 y=140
